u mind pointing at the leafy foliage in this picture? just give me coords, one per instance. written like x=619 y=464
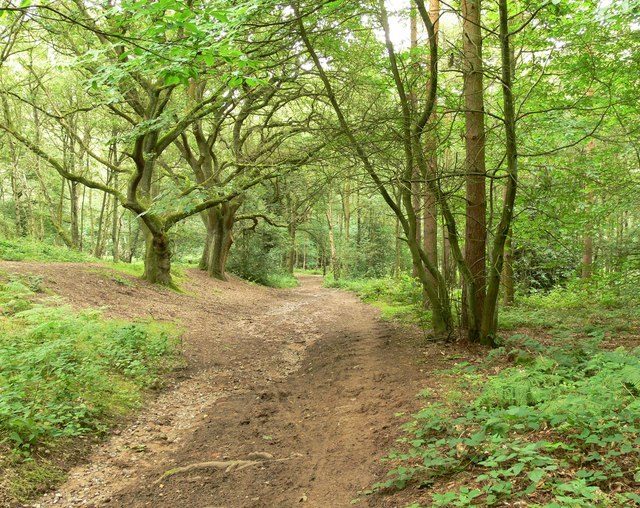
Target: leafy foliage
x=398 y=298
x=543 y=431
x=18 y=249
x=257 y=258
x=65 y=374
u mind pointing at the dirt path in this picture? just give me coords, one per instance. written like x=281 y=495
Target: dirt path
x=300 y=385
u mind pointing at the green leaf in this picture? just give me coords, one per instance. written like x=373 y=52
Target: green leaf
x=536 y=475
x=172 y=79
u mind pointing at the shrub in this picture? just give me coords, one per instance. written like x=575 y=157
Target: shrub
x=257 y=257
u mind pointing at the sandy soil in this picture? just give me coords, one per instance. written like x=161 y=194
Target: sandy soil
x=290 y=397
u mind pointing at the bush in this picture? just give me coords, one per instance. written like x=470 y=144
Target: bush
x=257 y=257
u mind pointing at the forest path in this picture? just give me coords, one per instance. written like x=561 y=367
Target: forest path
x=301 y=383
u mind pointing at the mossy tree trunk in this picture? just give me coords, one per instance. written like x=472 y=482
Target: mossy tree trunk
x=157 y=260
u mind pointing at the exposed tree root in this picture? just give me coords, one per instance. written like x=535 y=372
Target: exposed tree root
x=228 y=465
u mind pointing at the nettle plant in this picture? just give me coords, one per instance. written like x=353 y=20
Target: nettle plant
x=544 y=431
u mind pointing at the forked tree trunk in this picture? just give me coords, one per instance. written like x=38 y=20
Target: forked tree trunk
x=223 y=219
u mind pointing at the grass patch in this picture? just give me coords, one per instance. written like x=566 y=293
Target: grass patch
x=65 y=374
x=606 y=304
x=123 y=273
x=23 y=249
x=542 y=431
x=25 y=479
x=281 y=280
x=278 y=280
x=31 y=250
x=399 y=299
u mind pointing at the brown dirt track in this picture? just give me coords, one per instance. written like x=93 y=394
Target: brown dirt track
x=302 y=385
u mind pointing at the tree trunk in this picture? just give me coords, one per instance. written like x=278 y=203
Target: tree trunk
x=20 y=212
x=490 y=311
x=430 y=217
x=291 y=254
x=475 y=227
x=97 y=252
x=134 y=237
x=18 y=186
x=507 y=272
x=397 y=265
x=358 y=217
x=587 y=240
x=416 y=177
x=221 y=238
x=208 y=218
x=115 y=233
x=75 y=223
x=448 y=263
x=335 y=263
x=346 y=208
x=587 y=255
x=157 y=260
x=63 y=186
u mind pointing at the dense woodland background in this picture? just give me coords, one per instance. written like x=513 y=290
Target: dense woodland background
x=458 y=158
x=242 y=139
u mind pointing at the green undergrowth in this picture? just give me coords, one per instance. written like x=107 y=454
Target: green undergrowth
x=308 y=271
x=23 y=249
x=398 y=299
x=558 y=426
x=281 y=280
x=66 y=374
x=607 y=302
x=116 y=271
x=18 y=249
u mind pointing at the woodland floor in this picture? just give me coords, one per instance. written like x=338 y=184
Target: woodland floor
x=304 y=384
